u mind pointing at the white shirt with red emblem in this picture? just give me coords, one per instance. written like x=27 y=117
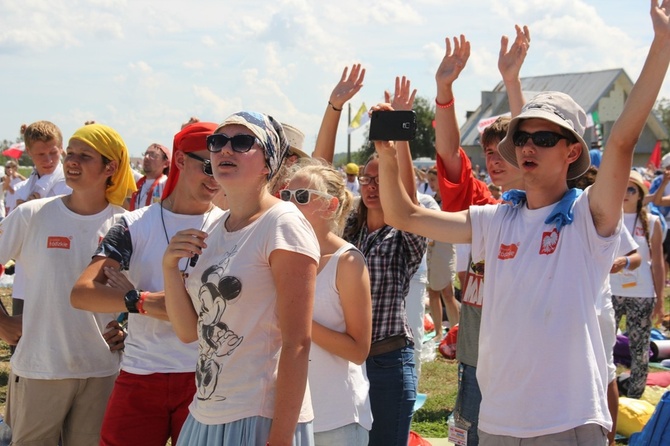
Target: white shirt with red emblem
x=542 y=366
x=54 y=245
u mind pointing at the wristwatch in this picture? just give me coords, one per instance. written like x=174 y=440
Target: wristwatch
x=131 y=298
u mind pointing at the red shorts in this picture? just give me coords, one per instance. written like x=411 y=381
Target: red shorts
x=147 y=409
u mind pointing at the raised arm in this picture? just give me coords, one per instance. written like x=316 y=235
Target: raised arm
x=509 y=65
x=349 y=85
x=447 y=133
x=608 y=191
x=403 y=99
x=657 y=197
x=400 y=211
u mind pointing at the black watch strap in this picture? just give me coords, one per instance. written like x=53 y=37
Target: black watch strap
x=131 y=298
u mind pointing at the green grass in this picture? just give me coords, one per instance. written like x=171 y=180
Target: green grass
x=439 y=381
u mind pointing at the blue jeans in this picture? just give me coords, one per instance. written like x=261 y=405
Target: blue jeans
x=466 y=412
x=392 y=396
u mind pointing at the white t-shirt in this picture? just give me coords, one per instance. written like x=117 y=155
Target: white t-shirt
x=339 y=387
x=152 y=345
x=11 y=197
x=542 y=366
x=46 y=186
x=639 y=281
x=54 y=245
x=233 y=292
x=145 y=188
x=354 y=187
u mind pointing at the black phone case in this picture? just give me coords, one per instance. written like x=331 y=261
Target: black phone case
x=397 y=125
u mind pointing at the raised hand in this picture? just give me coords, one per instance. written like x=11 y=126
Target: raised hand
x=453 y=62
x=403 y=96
x=349 y=85
x=510 y=62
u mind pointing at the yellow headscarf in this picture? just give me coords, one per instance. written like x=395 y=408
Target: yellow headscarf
x=108 y=143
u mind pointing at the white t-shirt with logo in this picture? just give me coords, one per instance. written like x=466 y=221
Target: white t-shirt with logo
x=542 y=366
x=54 y=245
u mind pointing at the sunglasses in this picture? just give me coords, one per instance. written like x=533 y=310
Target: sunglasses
x=302 y=196
x=206 y=164
x=239 y=143
x=365 y=179
x=631 y=190
x=540 y=139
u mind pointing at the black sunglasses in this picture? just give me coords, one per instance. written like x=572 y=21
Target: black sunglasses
x=239 y=143
x=631 y=190
x=206 y=164
x=542 y=138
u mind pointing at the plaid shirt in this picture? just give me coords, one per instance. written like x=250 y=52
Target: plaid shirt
x=393 y=256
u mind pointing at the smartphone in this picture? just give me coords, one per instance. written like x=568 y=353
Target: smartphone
x=397 y=125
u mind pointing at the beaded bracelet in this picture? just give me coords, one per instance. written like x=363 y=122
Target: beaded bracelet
x=447 y=105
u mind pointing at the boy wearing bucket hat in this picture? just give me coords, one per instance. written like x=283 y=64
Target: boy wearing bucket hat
x=151 y=396
x=547 y=256
x=63 y=369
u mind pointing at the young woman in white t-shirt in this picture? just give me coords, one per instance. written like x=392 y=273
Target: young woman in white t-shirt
x=342 y=326
x=635 y=291
x=248 y=300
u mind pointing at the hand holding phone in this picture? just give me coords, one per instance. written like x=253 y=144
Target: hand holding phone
x=392 y=125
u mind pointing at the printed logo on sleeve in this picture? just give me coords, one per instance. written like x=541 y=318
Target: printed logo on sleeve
x=58 y=242
x=507 y=251
x=549 y=242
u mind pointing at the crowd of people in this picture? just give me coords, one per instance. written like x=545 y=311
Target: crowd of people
x=242 y=292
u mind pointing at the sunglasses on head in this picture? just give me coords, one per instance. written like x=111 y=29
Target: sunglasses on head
x=206 y=164
x=239 y=143
x=302 y=196
x=543 y=138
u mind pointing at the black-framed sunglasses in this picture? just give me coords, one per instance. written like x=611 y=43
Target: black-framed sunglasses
x=367 y=179
x=239 y=143
x=543 y=138
x=206 y=164
x=302 y=196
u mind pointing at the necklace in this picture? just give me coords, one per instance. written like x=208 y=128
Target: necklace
x=195 y=257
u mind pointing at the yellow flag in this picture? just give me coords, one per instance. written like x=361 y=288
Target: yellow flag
x=360 y=119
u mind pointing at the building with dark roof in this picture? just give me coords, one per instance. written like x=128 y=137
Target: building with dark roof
x=603 y=92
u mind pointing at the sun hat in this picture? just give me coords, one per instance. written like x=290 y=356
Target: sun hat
x=295 y=139
x=637 y=179
x=560 y=109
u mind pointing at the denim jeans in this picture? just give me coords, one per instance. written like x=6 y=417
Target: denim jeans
x=392 y=396
x=469 y=398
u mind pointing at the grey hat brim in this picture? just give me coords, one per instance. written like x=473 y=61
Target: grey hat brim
x=508 y=151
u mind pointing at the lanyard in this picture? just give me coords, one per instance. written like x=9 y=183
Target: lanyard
x=135 y=198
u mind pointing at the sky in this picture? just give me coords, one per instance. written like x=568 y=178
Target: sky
x=144 y=67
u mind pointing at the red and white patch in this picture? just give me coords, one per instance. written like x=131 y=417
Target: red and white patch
x=549 y=242
x=58 y=242
x=507 y=252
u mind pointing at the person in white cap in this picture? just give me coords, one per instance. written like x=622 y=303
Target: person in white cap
x=547 y=252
